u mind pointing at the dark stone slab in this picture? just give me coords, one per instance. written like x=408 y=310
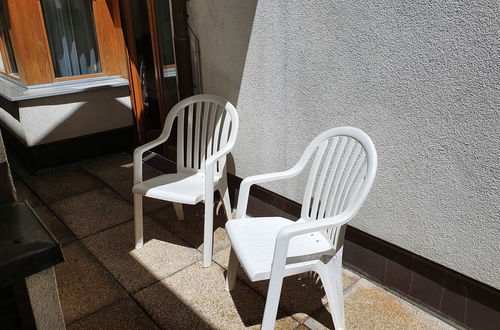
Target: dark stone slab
x=26 y=245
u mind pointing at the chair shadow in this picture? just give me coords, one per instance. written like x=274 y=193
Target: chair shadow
x=191 y=229
x=182 y=315
x=301 y=297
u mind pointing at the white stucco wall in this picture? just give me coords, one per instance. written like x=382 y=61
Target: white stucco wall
x=421 y=78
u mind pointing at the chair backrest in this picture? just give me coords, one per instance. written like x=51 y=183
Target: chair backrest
x=205 y=124
x=341 y=174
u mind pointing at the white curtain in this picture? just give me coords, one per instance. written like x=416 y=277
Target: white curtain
x=71 y=33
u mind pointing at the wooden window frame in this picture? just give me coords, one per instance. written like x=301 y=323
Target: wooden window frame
x=5 y=58
x=31 y=46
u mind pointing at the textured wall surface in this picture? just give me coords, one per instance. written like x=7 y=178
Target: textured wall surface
x=420 y=77
x=223 y=29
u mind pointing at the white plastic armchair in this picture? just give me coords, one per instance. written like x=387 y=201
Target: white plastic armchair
x=340 y=177
x=207 y=126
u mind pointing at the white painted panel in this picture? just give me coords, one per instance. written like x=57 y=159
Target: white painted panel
x=62 y=117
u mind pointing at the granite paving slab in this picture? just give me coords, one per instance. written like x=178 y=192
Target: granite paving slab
x=124 y=188
x=191 y=228
x=368 y=306
x=91 y=212
x=84 y=285
x=58 y=183
x=199 y=300
x=163 y=254
x=56 y=227
x=24 y=193
x=124 y=314
x=117 y=167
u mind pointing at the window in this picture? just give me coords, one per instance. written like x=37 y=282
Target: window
x=72 y=38
x=7 y=60
x=55 y=40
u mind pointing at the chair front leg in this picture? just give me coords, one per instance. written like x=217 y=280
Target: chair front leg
x=138 y=221
x=232 y=271
x=272 y=302
x=331 y=277
x=208 y=229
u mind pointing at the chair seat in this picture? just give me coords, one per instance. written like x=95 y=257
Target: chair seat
x=253 y=241
x=185 y=188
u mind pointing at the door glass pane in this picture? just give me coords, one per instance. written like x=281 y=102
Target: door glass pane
x=145 y=64
x=164 y=24
x=72 y=39
x=4 y=31
x=2 y=66
x=165 y=32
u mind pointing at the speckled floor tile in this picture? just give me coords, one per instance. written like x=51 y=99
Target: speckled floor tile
x=117 y=167
x=302 y=295
x=24 y=193
x=93 y=211
x=191 y=228
x=124 y=314
x=348 y=278
x=58 y=183
x=163 y=254
x=368 y=306
x=56 y=227
x=199 y=300
x=124 y=188
x=84 y=285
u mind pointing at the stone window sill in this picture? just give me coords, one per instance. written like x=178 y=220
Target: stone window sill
x=14 y=91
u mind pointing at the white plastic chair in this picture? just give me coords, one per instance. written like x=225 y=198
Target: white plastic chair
x=340 y=177
x=207 y=126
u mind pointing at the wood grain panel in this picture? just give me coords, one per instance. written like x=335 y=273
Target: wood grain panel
x=30 y=42
x=110 y=37
x=135 y=86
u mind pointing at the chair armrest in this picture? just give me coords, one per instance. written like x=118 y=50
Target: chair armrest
x=286 y=233
x=139 y=151
x=251 y=180
x=209 y=169
x=210 y=161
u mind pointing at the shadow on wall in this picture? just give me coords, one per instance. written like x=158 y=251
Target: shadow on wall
x=224 y=45
x=66 y=116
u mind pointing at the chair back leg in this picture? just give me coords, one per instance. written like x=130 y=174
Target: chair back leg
x=179 y=212
x=331 y=277
x=138 y=221
x=224 y=195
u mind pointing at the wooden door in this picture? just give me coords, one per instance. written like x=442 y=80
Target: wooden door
x=159 y=61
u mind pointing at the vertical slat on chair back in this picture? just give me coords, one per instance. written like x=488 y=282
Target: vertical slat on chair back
x=336 y=178
x=203 y=128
